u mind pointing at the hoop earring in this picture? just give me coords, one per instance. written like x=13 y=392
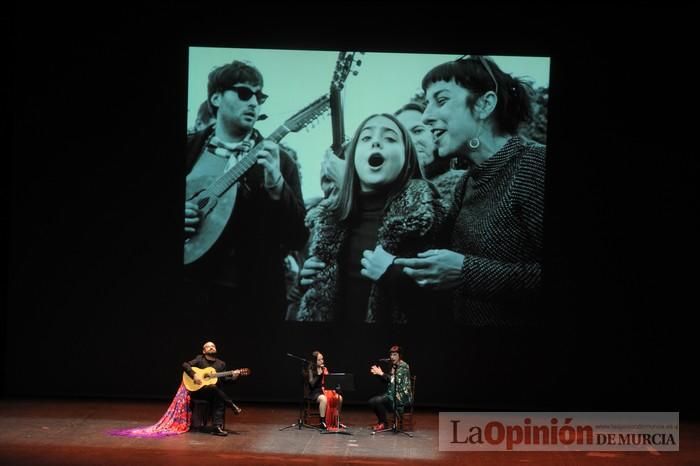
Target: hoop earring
x=474 y=142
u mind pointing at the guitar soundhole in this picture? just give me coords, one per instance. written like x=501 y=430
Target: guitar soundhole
x=203 y=202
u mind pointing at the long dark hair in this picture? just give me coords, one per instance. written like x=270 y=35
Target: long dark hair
x=480 y=74
x=312 y=363
x=344 y=204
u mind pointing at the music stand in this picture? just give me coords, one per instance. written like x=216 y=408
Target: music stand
x=394 y=426
x=339 y=382
x=300 y=421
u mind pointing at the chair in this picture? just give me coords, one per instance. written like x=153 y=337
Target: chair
x=201 y=414
x=405 y=421
x=311 y=415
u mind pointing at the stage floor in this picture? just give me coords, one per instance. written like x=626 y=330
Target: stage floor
x=43 y=432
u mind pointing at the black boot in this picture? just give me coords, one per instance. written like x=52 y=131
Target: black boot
x=219 y=430
x=323 y=425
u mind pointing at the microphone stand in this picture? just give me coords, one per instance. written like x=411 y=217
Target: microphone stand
x=300 y=421
x=395 y=427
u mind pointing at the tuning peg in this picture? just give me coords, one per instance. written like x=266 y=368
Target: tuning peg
x=359 y=62
x=355 y=72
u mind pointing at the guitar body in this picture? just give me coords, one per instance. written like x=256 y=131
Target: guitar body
x=214 y=217
x=208 y=375
x=205 y=374
x=215 y=197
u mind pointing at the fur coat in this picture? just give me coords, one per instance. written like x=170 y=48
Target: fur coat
x=412 y=222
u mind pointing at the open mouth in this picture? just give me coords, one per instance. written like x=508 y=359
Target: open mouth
x=375 y=160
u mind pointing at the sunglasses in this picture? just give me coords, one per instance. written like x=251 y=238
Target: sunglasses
x=245 y=93
x=485 y=65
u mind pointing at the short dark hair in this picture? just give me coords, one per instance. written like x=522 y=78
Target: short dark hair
x=410 y=106
x=514 y=105
x=227 y=75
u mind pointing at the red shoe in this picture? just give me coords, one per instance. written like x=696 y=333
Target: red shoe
x=379 y=426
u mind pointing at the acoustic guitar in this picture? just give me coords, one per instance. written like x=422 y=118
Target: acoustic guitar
x=209 y=376
x=343 y=67
x=215 y=197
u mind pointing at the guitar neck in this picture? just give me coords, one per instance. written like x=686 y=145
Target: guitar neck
x=229 y=178
x=337 y=122
x=222 y=374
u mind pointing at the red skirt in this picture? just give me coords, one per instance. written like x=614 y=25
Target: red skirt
x=332 y=409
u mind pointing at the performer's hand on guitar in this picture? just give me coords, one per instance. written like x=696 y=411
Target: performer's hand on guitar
x=197 y=379
x=236 y=373
x=311 y=268
x=269 y=158
x=376 y=370
x=191 y=218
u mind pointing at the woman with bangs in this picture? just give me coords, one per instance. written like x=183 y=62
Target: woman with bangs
x=493 y=263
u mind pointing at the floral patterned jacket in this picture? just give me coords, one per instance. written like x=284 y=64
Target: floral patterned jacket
x=402 y=381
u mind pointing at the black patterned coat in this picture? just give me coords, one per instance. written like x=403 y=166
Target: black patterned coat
x=413 y=222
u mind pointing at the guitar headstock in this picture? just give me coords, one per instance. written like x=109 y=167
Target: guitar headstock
x=308 y=114
x=244 y=371
x=344 y=65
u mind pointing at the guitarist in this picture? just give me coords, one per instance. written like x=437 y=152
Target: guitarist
x=244 y=269
x=218 y=399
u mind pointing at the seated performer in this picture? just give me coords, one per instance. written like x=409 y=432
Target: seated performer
x=329 y=401
x=398 y=391
x=212 y=393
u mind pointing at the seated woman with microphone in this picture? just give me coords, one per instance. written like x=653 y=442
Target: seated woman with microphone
x=329 y=401
x=398 y=391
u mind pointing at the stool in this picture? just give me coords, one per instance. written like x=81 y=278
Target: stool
x=311 y=416
x=405 y=421
x=201 y=414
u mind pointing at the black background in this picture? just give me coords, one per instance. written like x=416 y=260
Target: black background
x=97 y=102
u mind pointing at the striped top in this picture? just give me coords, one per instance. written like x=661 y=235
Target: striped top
x=498 y=214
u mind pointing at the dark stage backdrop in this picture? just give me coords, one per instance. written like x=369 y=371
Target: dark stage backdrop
x=98 y=112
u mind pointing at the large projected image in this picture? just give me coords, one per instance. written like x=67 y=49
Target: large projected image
x=379 y=188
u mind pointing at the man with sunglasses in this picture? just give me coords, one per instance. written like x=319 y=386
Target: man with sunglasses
x=244 y=269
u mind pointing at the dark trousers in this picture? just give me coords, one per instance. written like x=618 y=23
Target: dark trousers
x=380 y=404
x=217 y=398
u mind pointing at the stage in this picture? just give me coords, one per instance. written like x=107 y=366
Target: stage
x=75 y=432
